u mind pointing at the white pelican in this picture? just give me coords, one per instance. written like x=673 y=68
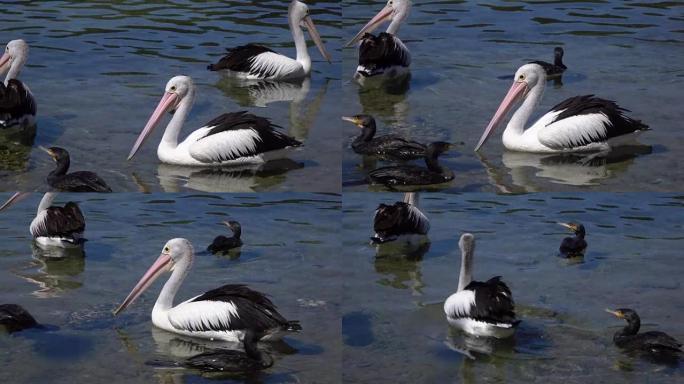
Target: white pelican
x=17 y=105
x=578 y=124
x=402 y=222
x=384 y=54
x=54 y=226
x=231 y=139
x=477 y=308
x=254 y=61
x=224 y=313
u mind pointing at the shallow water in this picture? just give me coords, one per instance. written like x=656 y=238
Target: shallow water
x=631 y=52
x=398 y=329
x=98 y=70
x=290 y=253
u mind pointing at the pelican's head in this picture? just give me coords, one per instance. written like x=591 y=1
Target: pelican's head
x=175 y=252
x=526 y=78
x=396 y=11
x=179 y=88
x=16 y=53
x=299 y=17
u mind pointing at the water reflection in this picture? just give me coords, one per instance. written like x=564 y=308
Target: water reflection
x=260 y=93
x=387 y=100
x=54 y=270
x=575 y=169
x=15 y=148
x=252 y=178
x=479 y=347
x=400 y=264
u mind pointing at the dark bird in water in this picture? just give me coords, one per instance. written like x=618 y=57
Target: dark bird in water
x=226 y=360
x=81 y=181
x=390 y=147
x=415 y=175
x=223 y=243
x=573 y=246
x=653 y=342
x=555 y=69
x=402 y=221
x=14 y=318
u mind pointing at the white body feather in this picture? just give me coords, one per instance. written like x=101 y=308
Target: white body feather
x=458 y=308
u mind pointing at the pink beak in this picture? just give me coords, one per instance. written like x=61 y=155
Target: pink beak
x=384 y=14
x=165 y=104
x=17 y=197
x=3 y=61
x=311 y=27
x=159 y=267
x=517 y=91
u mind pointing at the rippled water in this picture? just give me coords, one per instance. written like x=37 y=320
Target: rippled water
x=287 y=237
x=628 y=51
x=633 y=260
x=98 y=69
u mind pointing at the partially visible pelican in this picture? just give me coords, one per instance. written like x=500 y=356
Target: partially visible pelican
x=254 y=61
x=80 y=181
x=578 y=124
x=231 y=139
x=401 y=222
x=54 y=226
x=225 y=313
x=477 y=308
x=384 y=54
x=17 y=104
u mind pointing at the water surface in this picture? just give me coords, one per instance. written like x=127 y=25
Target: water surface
x=633 y=260
x=289 y=253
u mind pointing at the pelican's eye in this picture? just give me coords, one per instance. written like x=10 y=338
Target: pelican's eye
x=166 y=249
x=173 y=88
x=521 y=77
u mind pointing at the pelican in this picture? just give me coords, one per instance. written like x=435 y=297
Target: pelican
x=477 y=308
x=578 y=124
x=401 y=222
x=253 y=61
x=54 y=226
x=225 y=313
x=384 y=54
x=237 y=138
x=17 y=105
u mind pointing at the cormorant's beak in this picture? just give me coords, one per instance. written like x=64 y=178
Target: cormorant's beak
x=48 y=151
x=311 y=27
x=569 y=226
x=617 y=314
x=167 y=103
x=354 y=120
x=384 y=14
x=17 y=197
x=161 y=265
x=518 y=91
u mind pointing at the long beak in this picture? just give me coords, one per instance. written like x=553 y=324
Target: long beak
x=384 y=14
x=46 y=150
x=308 y=22
x=615 y=313
x=517 y=91
x=351 y=119
x=17 y=197
x=3 y=62
x=159 y=267
x=566 y=225
x=166 y=102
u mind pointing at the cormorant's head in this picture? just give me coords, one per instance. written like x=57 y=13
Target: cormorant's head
x=361 y=121
x=438 y=147
x=58 y=154
x=624 y=313
x=558 y=52
x=574 y=227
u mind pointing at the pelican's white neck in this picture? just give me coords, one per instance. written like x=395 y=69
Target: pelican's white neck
x=516 y=126
x=15 y=67
x=467 y=246
x=170 y=138
x=46 y=201
x=300 y=44
x=168 y=293
x=411 y=198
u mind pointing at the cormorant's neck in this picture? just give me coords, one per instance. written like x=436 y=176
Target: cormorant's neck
x=62 y=167
x=367 y=132
x=580 y=234
x=237 y=231
x=558 y=60
x=631 y=329
x=432 y=162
